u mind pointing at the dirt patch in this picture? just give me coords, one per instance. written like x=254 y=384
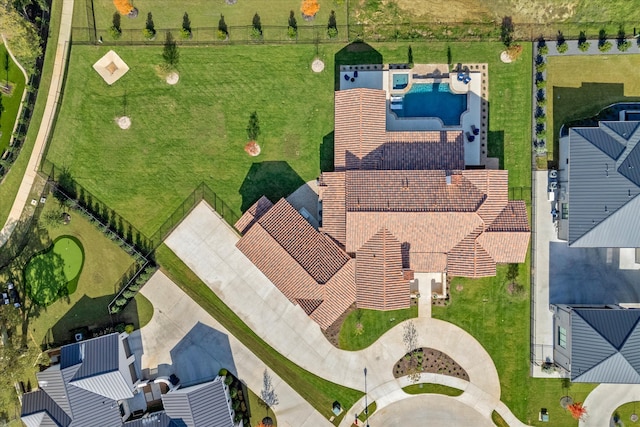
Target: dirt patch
x=252 y=148
x=429 y=360
x=333 y=332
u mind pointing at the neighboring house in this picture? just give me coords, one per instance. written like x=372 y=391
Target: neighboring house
x=91 y=386
x=96 y=385
x=600 y=203
x=598 y=344
x=398 y=202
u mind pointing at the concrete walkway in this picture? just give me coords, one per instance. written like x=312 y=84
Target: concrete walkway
x=57 y=77
x=175 y=315
x=207 y=245
x=604 y=399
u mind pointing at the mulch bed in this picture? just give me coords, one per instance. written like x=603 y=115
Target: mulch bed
x=430 y=361
x=333 y=332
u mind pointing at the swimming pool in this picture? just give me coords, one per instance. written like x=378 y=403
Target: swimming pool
x=433 y=100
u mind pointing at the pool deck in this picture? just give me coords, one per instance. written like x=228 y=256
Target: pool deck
x=380 y=77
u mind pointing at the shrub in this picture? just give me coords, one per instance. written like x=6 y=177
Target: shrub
x=257 y=24
x=541 y=134
x=223 y=31
x=128 y=294
x=542 y=102
x=541 y=119
x=541 y=84
x=604 y=46
x=541 y=67
x=562 y=48
x=186 y=22
x=123 y=6
x=292 y=32
x=115 y=309
x=584 y=46
x=148 y=34
x=185 y=34
x=120 y=302
x=149 y=25
x=228 y=380
x=115 y=33
x=256 y=34
x=129 y=328
x=543 y=50
x=332 y=32
x=223 y=372
x=624 y=45
x=309 y=7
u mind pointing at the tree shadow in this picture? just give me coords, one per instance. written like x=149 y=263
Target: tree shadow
x=326 y=152
x=495 y=142
x=273 y=179
x=353 y=54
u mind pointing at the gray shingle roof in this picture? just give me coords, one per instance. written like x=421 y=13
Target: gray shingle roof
x=599 y=190
x=202 y=405
x=605 y=344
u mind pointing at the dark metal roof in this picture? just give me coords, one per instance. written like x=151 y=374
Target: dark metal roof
x=52 y=383
x=157 y=419
x=630 y=167
x=605 y=344
x=602 y=140
x=199 y=406
x=39 y=401
x=598 y=191
x=624 y=129
x=98 y=355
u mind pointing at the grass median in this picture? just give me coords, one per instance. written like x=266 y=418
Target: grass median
x=319 y=392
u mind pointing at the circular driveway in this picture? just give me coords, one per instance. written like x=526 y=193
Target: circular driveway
x=434 y=410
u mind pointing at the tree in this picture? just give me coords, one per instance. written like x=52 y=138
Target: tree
x=149 y=25
x=410 y=340
x=309 y=8
x=253 y=128
x=22 y=36
x=506 y=31
x=222 y=26
x=292 y=21
x=5 y=65
x=123 y=6
x=577 y=410
x=22 y=5
x=268 y=394
x=186 y=22
x=170 y=52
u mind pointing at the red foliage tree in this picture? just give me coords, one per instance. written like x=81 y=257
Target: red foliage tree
x=123 y=6
x=577 y=410
x=310 y=7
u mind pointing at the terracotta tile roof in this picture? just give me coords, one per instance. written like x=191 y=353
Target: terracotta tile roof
x=278 y=265
x=380 y=282
x=410 y=191
x=506 y=246
x=425 y=232
x=470 y=259
x=339 y=295
x=253 y=214
x=443 y=150
x=308 y=305
x=493 y=183
x=428 y=261
x=317 y=255
x=512 y=218
x=360 y=125
x=331 y=193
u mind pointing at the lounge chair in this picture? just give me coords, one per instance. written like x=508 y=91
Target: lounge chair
x=355 y=74
x=475 y=130
x=470 y=138
x=346 y=77
x=460 y=77
x=467 y=79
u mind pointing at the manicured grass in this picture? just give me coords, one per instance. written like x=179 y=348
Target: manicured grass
x=374 y=324
x=624 y=413
x=498 y=420
x=104 y=264
x=196 y=130
x=432 y=388
x=370 y=410
x=10 y=103
x=602 y=80
x=258 y=410
x=11 y=182
x=53 y=273
x=318 y=392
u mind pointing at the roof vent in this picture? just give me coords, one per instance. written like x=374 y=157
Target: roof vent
x=606 y=209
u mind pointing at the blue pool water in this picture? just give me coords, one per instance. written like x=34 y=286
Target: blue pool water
x=433 y=100
x=400 y=81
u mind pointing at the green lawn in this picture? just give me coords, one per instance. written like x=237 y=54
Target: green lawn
x=11 y=182
x=318 y=392
x=195 y=131
x=258 y=410
x=602 y=80
x=624 y=413
x=432 y=388
x=105 y=262
x=10 y=102
x=53 y=273
x=373 y=323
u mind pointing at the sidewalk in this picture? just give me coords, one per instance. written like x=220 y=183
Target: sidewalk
x=207 y=245
x=57 y=77
x=604 y=399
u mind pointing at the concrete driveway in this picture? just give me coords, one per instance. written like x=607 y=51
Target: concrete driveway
x=590 y=276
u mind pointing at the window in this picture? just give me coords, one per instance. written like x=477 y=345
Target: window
x=565 y=210
x=132 y=371
x=562 y=337
x=127 y=349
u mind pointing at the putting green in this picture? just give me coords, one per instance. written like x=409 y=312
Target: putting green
x=55 y=272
